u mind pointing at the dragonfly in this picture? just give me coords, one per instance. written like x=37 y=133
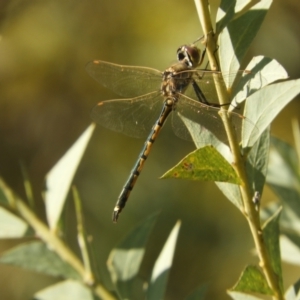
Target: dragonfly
x=151 y=96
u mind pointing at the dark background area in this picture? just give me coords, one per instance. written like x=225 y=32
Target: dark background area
x=45 y=102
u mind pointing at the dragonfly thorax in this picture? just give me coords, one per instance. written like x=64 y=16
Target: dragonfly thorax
x=176 y=80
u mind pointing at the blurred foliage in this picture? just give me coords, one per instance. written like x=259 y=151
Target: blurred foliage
x=46 y=97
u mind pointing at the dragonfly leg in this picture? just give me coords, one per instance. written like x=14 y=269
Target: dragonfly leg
x=202 y=98
x=199 y=93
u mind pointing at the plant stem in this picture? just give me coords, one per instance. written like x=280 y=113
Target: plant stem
x=53 y=241
x=296 y=134
x=81 y=236
x=238 y=163
x=59 y=247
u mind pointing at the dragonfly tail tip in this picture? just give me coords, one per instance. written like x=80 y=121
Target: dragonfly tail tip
x=116 y=213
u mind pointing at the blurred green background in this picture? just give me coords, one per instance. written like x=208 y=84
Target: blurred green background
x=46 y=98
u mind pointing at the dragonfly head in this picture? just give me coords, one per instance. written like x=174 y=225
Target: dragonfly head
x=189 y=54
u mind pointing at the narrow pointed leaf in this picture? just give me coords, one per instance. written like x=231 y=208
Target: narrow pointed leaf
x=263 y=106
x=225 y=14
x=125 y=259
x=206 y=138
x=257 y=162
x=283 y=157
x=3 y=198
x=271 y=237
x=204 y=164
x=290 y=200
x=285 y=183
x=6 y=194
x=162 y=267
x=235 y=39
x=241 y=296
x=35 y=256
x=232 y=193
x=263 y=71
x=27 y=185
x=289 y=220
x=290 y=252
x=294 y=237
x=256 y=170
x=11 y=226
x=59 y=179
x=252 y=281
x=69 y=289
x=200 y=135
x=296 y=135
x=293 y=292
x=227 y=11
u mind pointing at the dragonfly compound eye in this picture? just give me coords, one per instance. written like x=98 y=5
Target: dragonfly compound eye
x=189 y=54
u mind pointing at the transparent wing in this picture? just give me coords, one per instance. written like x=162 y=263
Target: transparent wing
x=126 y=81
x=133 y=117
x=207 y=82
x=206 y=116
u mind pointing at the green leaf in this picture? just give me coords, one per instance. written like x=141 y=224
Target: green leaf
x=227 y=11
x=3 y=198
x=290 y=250
x=257 y=162
x=37 y=257
x=283 y=157
x=232 y=193
x=11 y=226
x=6 y=194
x=198 y=294
x=225 y=14
x=204 y=164
x=59 y=179
x=289 y=220
x=202 y=137
x=263 y=71
x=271 y=237
x=124 y=260
x=296 y=134
x=290 y=201
x=256 y=170
x=241 y=296
x=235 y=39
x=252 y=281
x=163 y=264
x=283 y=179
x=27 y=185
x=293 y=292
x=263 y=106
x=69 y=289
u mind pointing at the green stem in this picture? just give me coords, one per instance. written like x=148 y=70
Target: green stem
x=27 y=185
x=238 y=163
x=53 y=241
x=81 y=236
x=59 y=247
x=296 y=135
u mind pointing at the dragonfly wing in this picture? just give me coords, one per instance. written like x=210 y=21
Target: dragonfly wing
x=126 y=81
x=207 y=82
x=206 y=116
x=133 y=117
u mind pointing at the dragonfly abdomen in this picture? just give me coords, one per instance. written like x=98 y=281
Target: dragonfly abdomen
x=135 y=172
